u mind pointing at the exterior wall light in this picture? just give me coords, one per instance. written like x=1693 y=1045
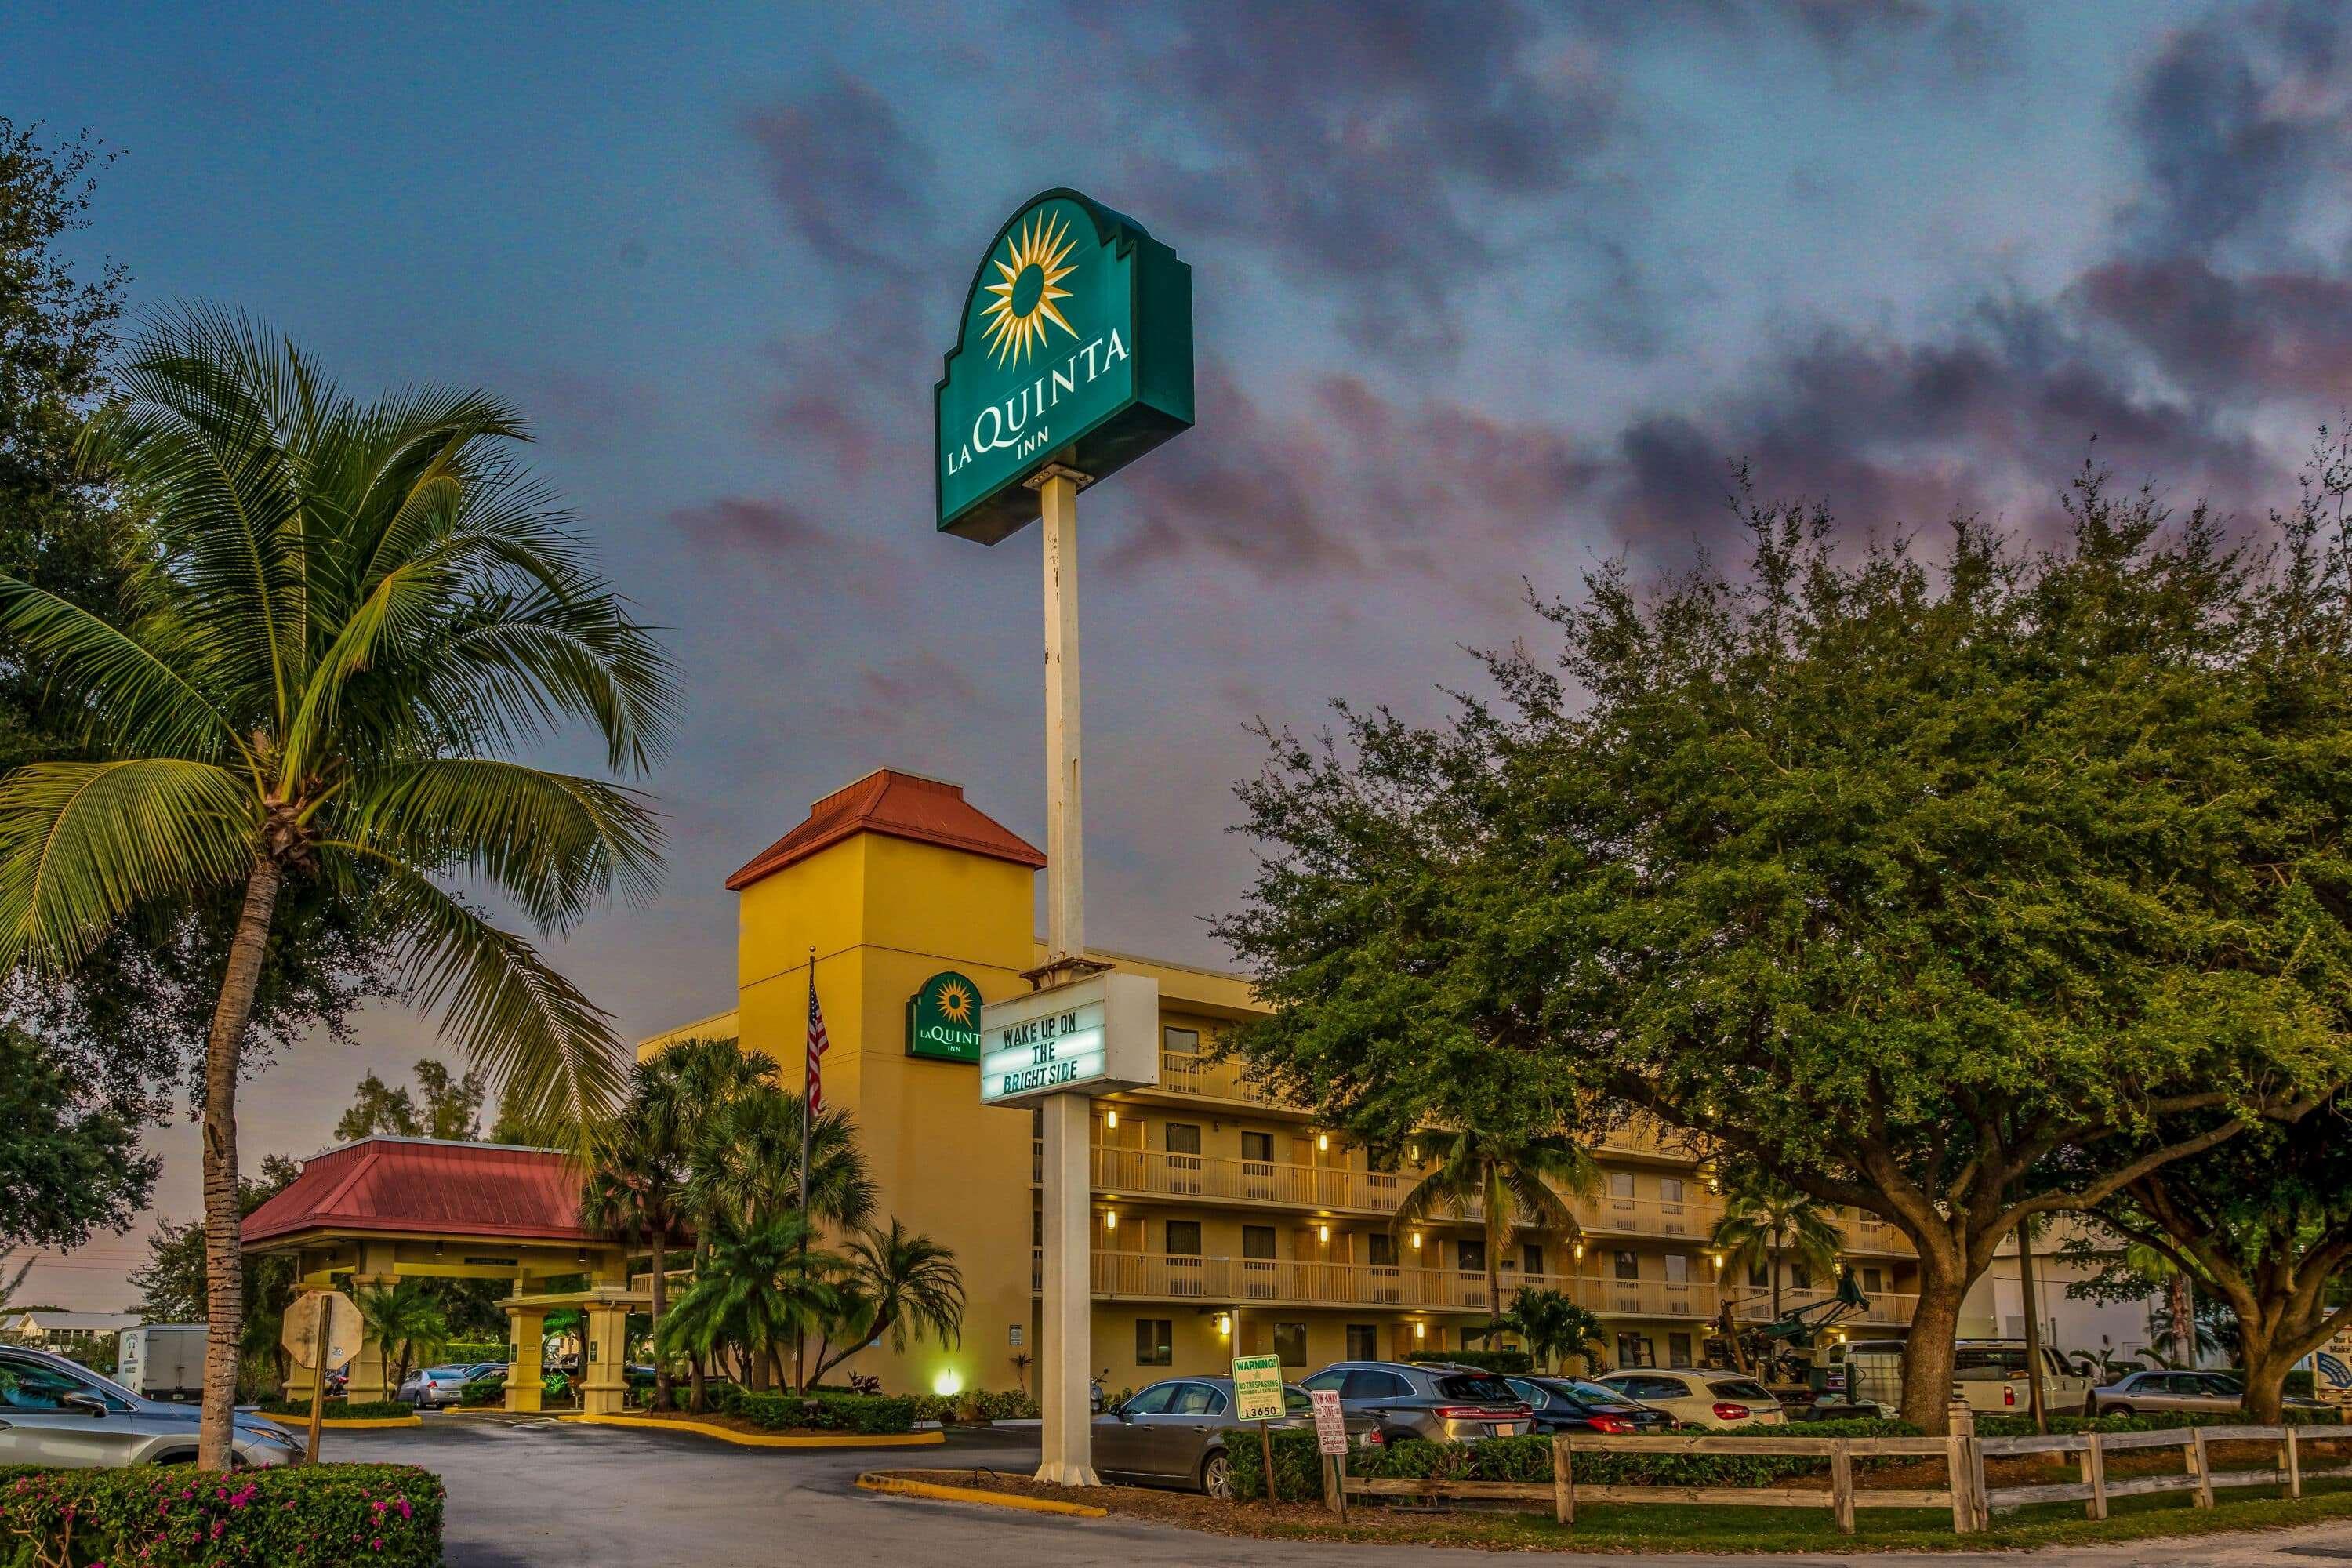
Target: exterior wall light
x=1110 y=1219
x=1412 y=1152
x=1224 y=1324
x=1416 y=1241
x=1322 y=1142
x=1419 y=1330
x=1110 y=1119
x=1718 y=1263
x=1579 y=1252
x=1323 y=1232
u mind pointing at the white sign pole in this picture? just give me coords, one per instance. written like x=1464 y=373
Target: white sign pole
x=1067 y=1458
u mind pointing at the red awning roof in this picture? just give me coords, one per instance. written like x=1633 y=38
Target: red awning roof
x=904 y=806
x=427 y=1185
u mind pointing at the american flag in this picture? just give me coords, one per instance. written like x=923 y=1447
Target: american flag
x=816 y=1044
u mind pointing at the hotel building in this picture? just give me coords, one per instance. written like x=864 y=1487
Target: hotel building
x=1225 y=1221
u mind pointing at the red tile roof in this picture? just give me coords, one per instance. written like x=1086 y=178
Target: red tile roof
x=904 y=806
x=424 y=1185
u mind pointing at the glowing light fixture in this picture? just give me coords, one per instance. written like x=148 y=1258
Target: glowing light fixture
x=1416 y=1241
x=1110 y=1219
x=1579 y=1252
x=947 y=1382
x=1412 y=1152
x=1323 y=1142
x=1224 y=1324
x=1719 y=1261
x=1419 y=1330
x=1323 y=1232
x=1110 y=1119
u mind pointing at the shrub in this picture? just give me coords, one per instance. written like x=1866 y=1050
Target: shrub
x=339 y=1409
x=872 y=1415
x=2300 y=1384
x=172 y=1518
x=980 y=1404
x=490 y=1388
x=1484 y=1361
x=1298 y=1465
x=462 y=1353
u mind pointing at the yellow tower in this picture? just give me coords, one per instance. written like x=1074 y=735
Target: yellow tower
x=891 y=881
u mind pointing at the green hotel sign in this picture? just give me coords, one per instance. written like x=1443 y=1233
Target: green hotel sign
x=943 y=1019
x=1076 y=348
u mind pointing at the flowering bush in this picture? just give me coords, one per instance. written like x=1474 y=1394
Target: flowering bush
x=169 y=1517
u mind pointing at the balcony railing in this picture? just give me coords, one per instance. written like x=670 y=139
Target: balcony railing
x=1283 y=1281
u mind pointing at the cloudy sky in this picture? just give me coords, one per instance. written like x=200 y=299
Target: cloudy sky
x=1486 y=294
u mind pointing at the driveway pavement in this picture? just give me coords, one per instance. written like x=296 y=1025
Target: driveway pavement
x=546 y=1493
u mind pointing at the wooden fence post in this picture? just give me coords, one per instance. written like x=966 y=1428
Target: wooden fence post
x=2199 y=1467
x=1334 y=1490
x=2294 y=1465
x=1842 y=1483
x=2094 y=1476
x=1563 y=1482
x=1964 y=1508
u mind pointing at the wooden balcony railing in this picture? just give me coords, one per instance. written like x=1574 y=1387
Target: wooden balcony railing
x=1284 y=1281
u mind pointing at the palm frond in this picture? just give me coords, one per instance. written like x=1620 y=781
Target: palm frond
x=145 y=704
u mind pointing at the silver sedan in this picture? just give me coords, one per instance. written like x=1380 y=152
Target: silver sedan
x=58 y=1412
x=1176 y=1432
x=2145 y=1392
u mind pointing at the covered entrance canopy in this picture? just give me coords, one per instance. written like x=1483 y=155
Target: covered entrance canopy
x=383 y=1209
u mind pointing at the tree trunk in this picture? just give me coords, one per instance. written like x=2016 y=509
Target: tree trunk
x=1928 y=1353
x=1774 y=1264
x=661 y=1302
x=696 y=1398
x=223 y=1255
x=2267 y=1362
x=2182 y=1297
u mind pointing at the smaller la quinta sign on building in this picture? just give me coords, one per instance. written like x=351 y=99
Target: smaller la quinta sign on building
x=1076 y=347
x=1093 y=1036
x=943 y=1019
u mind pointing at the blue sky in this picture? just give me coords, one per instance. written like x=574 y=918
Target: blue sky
x=1487 y=294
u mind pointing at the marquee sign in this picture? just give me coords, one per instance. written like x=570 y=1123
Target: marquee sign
x=1076 y=348
x=943 y=1019
x=1092 y=1036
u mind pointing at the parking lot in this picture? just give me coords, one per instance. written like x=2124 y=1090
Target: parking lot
x=536 y=1494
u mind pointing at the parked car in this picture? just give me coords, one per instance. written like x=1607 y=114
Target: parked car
x=1572 y=1405
x=54 y=1411
x=161 y=1361
x=2143 y=1393
x=1436 y=1400
x=1988 y=1375
x=1176 y=1432
x=429 y=1387
x=1700 y=1396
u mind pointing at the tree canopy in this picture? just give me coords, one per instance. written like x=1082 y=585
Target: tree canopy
x=1897 y=880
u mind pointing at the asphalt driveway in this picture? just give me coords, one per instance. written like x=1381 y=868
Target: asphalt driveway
x=544 y=1494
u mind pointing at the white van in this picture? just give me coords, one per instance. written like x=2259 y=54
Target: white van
x=161 y=1361
x=1989 y=1374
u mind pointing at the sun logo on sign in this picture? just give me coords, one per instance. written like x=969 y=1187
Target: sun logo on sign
x=1034 y=265
x=954 y=1001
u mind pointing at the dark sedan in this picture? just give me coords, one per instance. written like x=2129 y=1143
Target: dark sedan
x=1566 y=1405
x=1175 y=1432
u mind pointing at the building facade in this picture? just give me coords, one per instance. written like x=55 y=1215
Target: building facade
x=1226 y=1222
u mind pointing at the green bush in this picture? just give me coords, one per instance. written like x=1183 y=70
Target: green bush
x=1298 y=1465
x=982 y=1403
x=172 y=1517
x=339 y=1409
x=2300 y=1385
x=490 y=1388
x=871 y=1414
x=2152 y=1421
x=1515 y=1362
x=461 y=1353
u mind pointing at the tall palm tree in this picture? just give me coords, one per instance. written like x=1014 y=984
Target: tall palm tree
x=747 y=1161
x=898 y=1283
x=759 y=1282
x=404 y=1323
x=711 y=1074
x=1766 y=1220
x=637 y=1183
x=1512 y=1178
x=337 y=612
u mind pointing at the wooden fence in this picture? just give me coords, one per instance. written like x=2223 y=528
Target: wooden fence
x=1964 y=1491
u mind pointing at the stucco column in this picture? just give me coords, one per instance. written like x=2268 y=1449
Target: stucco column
x=526 y=1329
x=605 y=1390
x=369 y=1373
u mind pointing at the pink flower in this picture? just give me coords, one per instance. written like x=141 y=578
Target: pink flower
x=377 y=1544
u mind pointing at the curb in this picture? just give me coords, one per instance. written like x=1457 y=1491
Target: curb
x=879 y=1482
x=766 y=1440
x=303 y=1422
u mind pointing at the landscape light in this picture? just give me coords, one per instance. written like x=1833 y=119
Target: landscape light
x=947 y=1383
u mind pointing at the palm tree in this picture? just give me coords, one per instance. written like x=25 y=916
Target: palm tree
x=404 y=1323
x=898 y=1283
x=1512 y=1179
x=1553 y=1326
x=1765 y=1220
x=711 y=1074
x=638 y=1184
x=757 y=1283
x=337 y=612
x=747 y=1161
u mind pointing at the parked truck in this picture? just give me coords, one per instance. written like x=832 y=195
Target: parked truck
x=161 y=1361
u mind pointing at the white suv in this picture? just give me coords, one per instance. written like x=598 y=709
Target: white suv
x=1699 y=1396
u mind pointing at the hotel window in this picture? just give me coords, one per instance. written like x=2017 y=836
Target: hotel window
x=1258 y=1146
x=1670 y=1189
x=1872 y=1281
x=1800 y=1275
x=1290 y=1343
x=1635 y=1350
x=1759 y=1274
x=1677 y=1268
x=1381 y=1253
x=1180 y=1042
x=1155 y=1341
x=1678 y=1349
x=1531 y=1258
x=1470 y=1257
x=1258 y=1241
x=1363 y=1342
x=1620 y=1183
x=1629 y=1266
x=1183 y=1138
x=1184 y=1238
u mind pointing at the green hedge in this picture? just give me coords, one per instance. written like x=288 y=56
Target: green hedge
x=2300 y=1385
x=1515 y=1362
x=160 y=1517
x=978 y=1404
x=1298 y=1465
x=339 y=1409
x=462 y=1352
x=871 y=1414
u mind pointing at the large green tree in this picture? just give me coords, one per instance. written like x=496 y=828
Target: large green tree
x=444 y=1105
x=68 y=1165
x=339 y=614
x=1896 y=879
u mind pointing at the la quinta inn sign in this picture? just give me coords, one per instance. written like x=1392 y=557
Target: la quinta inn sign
x=1076 y=348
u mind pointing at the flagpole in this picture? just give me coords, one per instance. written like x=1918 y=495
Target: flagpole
x=808 y=1115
